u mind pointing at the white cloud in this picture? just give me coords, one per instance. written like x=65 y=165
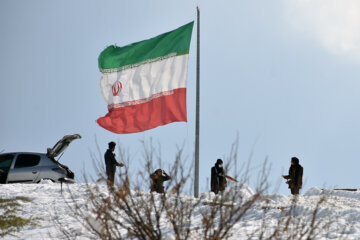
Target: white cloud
x=333 y=23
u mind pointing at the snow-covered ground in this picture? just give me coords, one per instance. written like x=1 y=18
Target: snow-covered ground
x=52 y=206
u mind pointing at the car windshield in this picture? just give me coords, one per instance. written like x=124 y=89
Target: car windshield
x=5 y=160
x=5 y=163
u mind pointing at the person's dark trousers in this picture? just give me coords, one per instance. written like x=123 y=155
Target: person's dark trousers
x=216 y=191
x=295 y=191
x=111 y=176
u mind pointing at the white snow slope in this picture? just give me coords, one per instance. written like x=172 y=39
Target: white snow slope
x=51 y=205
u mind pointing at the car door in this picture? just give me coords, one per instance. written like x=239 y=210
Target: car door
x=61 y=145
x=5 y=163
x=25 y=169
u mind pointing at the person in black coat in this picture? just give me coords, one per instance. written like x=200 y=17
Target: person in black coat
x=111 y=163
x=294 y=179
x=158 y=178
x=218 y=180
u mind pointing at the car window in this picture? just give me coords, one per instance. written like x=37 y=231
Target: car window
x=27 y=160
x=5 y=160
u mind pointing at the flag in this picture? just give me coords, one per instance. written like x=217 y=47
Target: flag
x=231 y=178
x=144 y=83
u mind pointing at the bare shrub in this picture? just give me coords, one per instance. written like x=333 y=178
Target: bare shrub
x=126 y=211
x=295 y=222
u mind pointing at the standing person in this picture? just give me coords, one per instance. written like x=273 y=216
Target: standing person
x=158 y=178
x=111 y=163
x=218 y=180
x=294 y=179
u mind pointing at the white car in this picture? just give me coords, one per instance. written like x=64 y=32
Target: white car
x=30 y=167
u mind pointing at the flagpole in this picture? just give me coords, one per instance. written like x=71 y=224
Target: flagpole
x=197 y=128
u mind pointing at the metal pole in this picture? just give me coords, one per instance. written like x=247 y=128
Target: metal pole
x=197 y=128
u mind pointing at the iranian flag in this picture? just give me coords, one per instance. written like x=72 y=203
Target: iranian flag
x=144 y=83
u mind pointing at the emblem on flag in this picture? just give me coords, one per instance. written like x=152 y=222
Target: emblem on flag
x=116 y=88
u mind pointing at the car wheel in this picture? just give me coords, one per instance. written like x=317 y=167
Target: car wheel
x=46 y=179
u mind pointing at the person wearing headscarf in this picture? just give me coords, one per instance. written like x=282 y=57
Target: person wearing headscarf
x=218 y=180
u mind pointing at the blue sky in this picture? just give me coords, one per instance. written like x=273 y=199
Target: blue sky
x=282 y=75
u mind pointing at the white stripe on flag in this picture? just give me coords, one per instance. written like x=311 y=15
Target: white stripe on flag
x=145 y=80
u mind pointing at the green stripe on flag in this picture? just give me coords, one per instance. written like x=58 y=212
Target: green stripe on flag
x=164 y=45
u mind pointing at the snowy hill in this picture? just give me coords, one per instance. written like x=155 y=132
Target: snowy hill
x=49 y=204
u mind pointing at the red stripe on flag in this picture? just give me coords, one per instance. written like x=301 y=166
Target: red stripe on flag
x=138 y=118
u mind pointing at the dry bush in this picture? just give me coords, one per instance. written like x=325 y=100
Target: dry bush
x=296 y=223
x=126 y=211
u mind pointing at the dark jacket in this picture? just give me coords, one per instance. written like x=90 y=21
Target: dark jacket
x=157 y=184
x=110 y=162
x=218 y=180
x=295 y=176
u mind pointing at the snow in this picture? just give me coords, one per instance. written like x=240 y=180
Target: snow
x=52 y=206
